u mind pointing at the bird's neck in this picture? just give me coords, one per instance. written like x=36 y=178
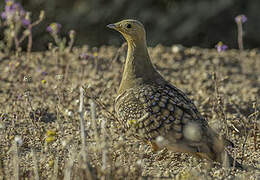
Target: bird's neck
x=138 y=68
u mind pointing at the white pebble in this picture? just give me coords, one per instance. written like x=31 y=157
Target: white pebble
x=18 y=140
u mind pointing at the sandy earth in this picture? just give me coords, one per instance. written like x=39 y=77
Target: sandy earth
x=39 y=100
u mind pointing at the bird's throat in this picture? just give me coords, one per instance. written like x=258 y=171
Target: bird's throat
x=138 y=68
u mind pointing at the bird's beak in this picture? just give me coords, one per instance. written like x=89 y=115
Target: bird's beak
x=115 y=26
x=111 y=26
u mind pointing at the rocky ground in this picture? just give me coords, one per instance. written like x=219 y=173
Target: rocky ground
x=40 y=125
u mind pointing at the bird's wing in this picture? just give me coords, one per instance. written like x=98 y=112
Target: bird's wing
x=196 y=134
x=151 y=111
x=155 y=106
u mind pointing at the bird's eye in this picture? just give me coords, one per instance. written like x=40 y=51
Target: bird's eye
x=128 y=26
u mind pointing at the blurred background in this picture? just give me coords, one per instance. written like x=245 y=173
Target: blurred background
x=188 y=22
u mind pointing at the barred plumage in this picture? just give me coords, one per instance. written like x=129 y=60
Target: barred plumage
x=156 y=111
x=150 y=107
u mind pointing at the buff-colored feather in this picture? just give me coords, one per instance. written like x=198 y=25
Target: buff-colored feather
x=151 y=108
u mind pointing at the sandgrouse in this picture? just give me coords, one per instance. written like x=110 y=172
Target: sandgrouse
x=153 y=108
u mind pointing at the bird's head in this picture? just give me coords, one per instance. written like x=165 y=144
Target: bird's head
x=132 y=30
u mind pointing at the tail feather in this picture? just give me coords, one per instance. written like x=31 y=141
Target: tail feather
x=217 y=145
x=225 y=159
x=228 y=161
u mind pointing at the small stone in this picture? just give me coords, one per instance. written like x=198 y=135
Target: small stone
x=177 y=48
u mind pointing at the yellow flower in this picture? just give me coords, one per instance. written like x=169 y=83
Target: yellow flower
x=11 y=137
x=51 y=133
x=51 y=163
x=44 y=81
x=50 y=139
x=54 y=28
x=9 y=3
x=95 y=54
x=132 y=122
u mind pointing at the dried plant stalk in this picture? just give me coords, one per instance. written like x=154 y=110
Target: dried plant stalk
x=93 y=118
x=35 y=165
x=16 y=160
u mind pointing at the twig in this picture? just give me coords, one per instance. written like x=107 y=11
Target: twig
x=93 y=118
x=2 y=172
x=55 y=169
x=221 y=112
x=100 y=104
x=244 y=143
x=29 y=45
x=35 y=165
x=255 y=124
x=119 y=51
x=105 y=146
x=16 y=41
x=83 y=135
x=69 y=164
x=240 y=19
x=72 y=34
x=82 y=122
x=16 y=160
x=30 y=26
x=23 y=37
x=240 y=36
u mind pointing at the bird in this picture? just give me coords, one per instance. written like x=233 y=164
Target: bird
x=157 y=112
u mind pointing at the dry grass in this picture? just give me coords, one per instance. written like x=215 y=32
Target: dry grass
x=44 y=134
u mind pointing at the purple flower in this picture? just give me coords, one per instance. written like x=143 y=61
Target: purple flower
x=44 y=73
x=221 y=47
x=54 y=28
x=26 y=22
x=241 y=18
x=13 y=11
x=9 y=3
x=3 y=15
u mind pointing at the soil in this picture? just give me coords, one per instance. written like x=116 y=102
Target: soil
x=40 y=130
